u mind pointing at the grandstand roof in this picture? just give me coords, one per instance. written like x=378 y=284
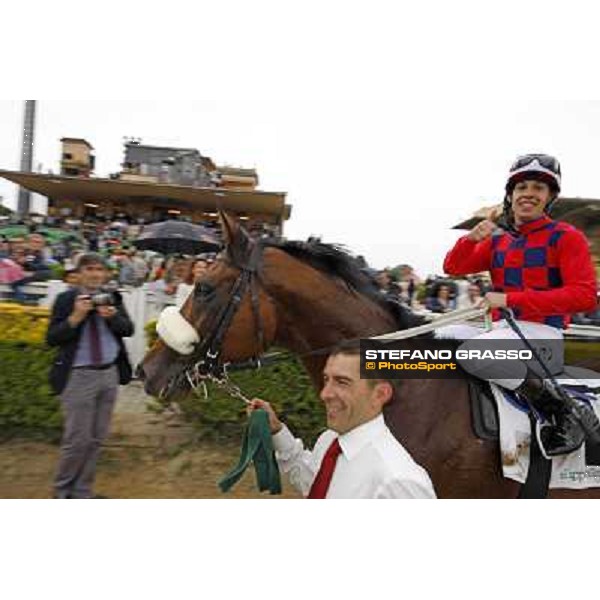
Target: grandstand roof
x=96 y=189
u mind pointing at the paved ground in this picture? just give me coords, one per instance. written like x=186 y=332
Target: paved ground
x=146 y=456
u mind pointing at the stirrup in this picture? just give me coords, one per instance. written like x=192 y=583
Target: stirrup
x=562 y=437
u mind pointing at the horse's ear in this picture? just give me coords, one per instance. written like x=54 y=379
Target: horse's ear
x=236 y=238
x=230 y=227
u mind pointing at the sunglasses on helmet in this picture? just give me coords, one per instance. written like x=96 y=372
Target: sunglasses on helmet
x=544 y=160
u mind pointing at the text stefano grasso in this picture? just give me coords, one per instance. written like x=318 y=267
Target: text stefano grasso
x=473 y=354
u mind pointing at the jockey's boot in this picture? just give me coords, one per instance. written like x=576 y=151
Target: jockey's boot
x=563 y=433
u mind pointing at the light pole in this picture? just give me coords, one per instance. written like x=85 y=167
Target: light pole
x=24 y=203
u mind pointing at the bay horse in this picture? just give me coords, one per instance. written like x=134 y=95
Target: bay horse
x=305 y=296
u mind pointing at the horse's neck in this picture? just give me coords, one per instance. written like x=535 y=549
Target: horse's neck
x=315 y=311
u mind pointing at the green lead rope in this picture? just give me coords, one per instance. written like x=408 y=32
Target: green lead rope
x=257 y=447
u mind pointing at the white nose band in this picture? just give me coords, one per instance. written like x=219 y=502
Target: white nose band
x=175 y=331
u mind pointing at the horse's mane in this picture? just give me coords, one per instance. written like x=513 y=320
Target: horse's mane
x=336 y=261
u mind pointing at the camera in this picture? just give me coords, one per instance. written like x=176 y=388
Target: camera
x=105 y=296
x=102 y=299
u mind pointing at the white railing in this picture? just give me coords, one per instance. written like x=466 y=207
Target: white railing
x=143 y=305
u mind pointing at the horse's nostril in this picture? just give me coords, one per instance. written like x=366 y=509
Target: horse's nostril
x=139 y=372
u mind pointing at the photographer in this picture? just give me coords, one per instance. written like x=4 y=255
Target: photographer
x=88 y=324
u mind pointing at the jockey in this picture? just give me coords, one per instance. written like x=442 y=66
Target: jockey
x=542 y=270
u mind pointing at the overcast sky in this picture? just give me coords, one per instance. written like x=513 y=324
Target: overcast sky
x=384 y=127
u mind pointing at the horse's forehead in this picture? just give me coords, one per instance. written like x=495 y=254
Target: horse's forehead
x=222 y=265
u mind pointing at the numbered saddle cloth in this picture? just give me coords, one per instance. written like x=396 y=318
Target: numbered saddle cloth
x=576 y=470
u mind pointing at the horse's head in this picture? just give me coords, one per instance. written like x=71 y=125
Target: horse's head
x=304 y=296
x=228 y=317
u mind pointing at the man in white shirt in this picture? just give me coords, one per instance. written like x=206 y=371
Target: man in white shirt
x=357 y=457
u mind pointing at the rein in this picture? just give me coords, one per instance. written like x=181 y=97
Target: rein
x=457 y=316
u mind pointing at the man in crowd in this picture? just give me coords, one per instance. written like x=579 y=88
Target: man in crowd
x=38 y=247
x=140 y=268
x=89 y=329
x=472 y=298
x=357 y=457
x=32 y=257
x=125 y=267
x=387 y=284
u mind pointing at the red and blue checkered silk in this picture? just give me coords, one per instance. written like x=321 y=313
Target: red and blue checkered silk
x=546 y=271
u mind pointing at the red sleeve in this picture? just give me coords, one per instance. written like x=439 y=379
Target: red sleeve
x=578 y=291
x=468 y=257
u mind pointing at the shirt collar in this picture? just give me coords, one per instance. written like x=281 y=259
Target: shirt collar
x=534 y=225
x=355 y=440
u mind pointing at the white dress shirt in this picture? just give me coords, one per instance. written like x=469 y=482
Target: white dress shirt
x=373 y=464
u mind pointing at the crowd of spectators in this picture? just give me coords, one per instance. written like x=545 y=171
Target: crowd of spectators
x=49 y=249
x=440 y=295
x=38 y=256
x=435 y=294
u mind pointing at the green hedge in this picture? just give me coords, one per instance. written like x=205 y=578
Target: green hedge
x=27 y=404
x=29 y=408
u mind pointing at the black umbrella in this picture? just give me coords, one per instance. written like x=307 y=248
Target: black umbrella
x=177 y=237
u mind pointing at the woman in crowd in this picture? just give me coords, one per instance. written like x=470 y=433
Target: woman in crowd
x=197 y=270
x=441 y=301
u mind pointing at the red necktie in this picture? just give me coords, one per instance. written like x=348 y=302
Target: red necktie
x=321 y=483
x=96 y=350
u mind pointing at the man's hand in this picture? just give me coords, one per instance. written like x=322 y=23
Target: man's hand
x=106 y=312
x=494 y=300
x=482 y=231
x=82 y=307
x=274 y=423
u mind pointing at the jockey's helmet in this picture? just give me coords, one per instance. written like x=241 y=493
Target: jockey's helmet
x=541 y=167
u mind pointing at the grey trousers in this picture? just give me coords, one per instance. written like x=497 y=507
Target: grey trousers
x=87 y=403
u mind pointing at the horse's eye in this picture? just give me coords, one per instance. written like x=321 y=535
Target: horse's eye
x=204 y=291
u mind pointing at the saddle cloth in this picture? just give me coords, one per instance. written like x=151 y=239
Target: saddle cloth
x=569 y=471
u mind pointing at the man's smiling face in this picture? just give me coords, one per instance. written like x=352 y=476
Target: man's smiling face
x=529 y=199
x=349 y=400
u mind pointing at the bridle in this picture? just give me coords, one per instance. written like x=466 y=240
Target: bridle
x=204 y=364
